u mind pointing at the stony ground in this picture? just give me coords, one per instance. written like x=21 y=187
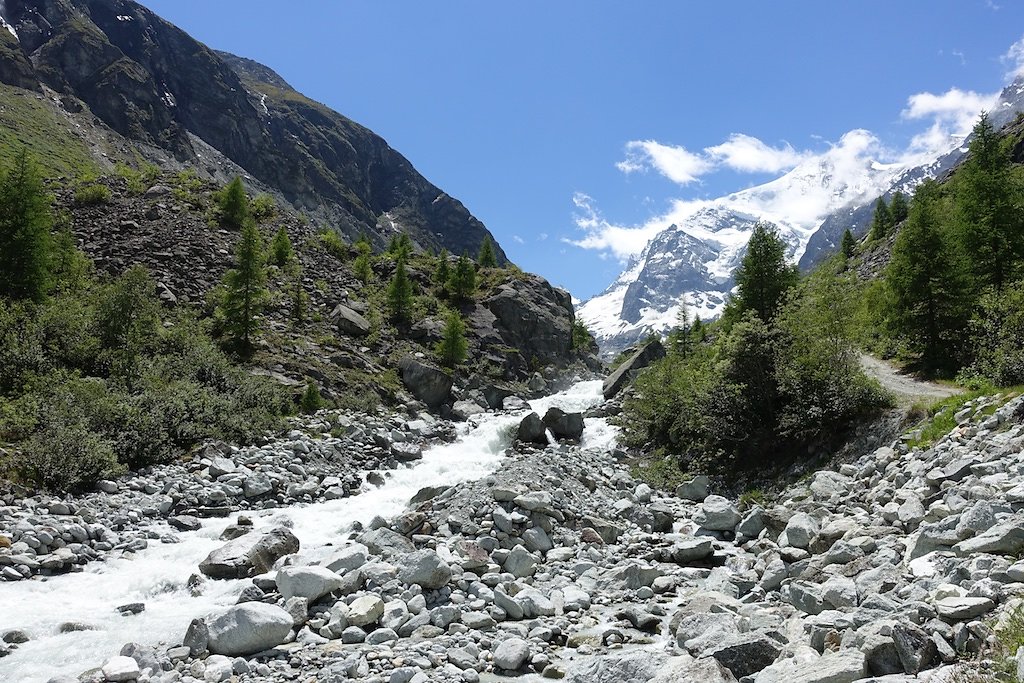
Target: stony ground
x=894 y=568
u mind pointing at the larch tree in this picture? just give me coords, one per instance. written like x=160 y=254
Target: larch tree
x=764 y=275
x=25 y=221
x=234 y=205
x=991 y=226
x=245 y=291
x=487 y=258
x=927 y=282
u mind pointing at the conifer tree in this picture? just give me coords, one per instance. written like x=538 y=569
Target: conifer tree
x=927 y=282
x=992 y=229
x=881 y=222
x=487 y=258
x=281 y=251
x=453 y=345
x=400 y=247
x=764 y=276
x=297 y=294
x=25 y=222
x=400 y=294
x=234 y=205
x=245 y=291
x=462 y=282
x=898 y=209
x=848 y=245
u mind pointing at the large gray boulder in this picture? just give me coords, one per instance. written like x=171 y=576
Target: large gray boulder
x=533 y=317
x=248 y=628
x=641 y=359
x=844 y=666
x=254 y=553
x=511 y=654
x=532 y=430
x=349 y=322
x=385 y=543
x=628 y=667
x=564 y=425
x=311 y=583
x=427 y=383
x=716 y=513
x=1002 y=539
x=425 y=569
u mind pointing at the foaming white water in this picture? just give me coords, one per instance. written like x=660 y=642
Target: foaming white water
x=157 y=575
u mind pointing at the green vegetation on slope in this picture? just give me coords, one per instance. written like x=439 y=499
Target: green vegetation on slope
x=27 y=120
x=94 y=376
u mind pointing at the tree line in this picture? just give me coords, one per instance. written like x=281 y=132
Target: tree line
x=951 y=301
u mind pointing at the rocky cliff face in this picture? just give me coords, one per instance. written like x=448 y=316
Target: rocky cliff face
x=153 y=84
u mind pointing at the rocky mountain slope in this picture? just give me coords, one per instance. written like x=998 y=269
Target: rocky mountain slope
x=812 y=206
x=517 y=323
x=175 y=101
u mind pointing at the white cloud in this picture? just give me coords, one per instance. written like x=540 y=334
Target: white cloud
x=750 y=155
x=622 y=241
x=953 y=105
x=518 y=240
x=675 y=163
x=953 y=114
x=1014 y=59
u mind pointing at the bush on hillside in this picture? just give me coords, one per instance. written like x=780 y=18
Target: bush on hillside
x=92 y=195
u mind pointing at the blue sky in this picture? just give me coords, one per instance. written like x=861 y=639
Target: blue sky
x=580 y=121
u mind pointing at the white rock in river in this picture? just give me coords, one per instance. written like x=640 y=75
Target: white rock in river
x=311 y=583
x=121 y=669
x=511 y=654
x=248 y=628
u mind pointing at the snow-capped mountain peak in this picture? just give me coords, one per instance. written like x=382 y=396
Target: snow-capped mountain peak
x=692 y=260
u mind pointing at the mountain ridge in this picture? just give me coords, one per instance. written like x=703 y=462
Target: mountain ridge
x=160 y=89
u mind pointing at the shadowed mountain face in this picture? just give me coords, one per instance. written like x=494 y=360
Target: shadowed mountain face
x=153 y=84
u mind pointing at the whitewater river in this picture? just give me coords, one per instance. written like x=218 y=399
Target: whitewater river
x=157 y=575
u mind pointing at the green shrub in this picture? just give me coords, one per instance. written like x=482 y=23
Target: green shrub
x=138 y=181
x=997 y=330
x=92 y=195
x=188 y=188
x=311 y=400
x=64 y=456
x=263 y=207
x=332 y=243
x=756 y=395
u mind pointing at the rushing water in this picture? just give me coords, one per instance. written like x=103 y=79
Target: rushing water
x=157 y=575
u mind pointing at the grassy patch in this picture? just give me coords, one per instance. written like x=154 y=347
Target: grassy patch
x=938 y=418
x=92 y=195
x=660 y=471
x=28 y=120
x=752 y=497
